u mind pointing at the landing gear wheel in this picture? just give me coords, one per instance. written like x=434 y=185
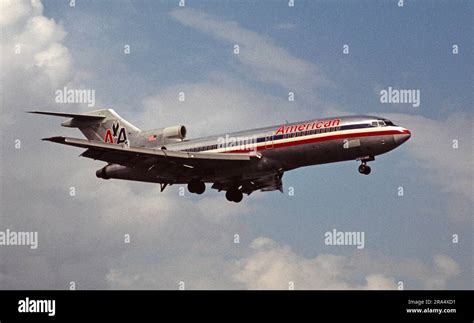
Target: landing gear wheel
x=200 y=188
x=238 y=196
x=197 y=187
x=364 y=169
x=234 y=196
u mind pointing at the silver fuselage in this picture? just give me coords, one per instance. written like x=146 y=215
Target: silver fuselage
x=306 y=143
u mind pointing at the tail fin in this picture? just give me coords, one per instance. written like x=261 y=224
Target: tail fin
x=100 y=125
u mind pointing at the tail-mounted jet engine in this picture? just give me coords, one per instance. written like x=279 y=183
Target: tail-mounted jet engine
x=175 y=132
x=165 y=135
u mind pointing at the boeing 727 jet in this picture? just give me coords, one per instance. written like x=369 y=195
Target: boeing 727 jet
x=237 y=163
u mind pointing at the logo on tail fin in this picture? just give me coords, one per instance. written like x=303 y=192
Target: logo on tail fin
x=116 y=134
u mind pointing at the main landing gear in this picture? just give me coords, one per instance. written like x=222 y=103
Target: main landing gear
x=234 y=195
x=364 y=169
x=196 y=186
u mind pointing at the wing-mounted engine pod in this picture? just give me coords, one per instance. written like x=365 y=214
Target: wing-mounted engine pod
x=175 y=132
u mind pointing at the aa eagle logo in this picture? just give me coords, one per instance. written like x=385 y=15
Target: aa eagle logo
x=116 y=135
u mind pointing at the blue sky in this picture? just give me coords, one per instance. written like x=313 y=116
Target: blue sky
x=282 y=49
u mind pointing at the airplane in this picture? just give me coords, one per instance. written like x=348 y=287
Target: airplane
x=237 y=163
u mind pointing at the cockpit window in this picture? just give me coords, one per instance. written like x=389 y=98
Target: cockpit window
x=388 y=122
x=381 y=123
x=374 y=124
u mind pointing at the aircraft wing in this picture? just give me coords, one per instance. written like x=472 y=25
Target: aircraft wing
x=136 y=156
x=181 y=166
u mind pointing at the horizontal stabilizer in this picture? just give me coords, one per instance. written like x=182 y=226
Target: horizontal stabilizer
x=77 y=116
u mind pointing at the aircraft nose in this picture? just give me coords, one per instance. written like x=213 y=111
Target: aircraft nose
x=403 y=136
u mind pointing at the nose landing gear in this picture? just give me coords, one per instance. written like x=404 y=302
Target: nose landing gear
x=363 y=168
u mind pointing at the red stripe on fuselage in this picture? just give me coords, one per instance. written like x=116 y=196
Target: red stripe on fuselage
x=319 y=139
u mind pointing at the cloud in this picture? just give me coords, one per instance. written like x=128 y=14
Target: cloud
x=285 y=26
x=267 y=264
x=274 y=266
x=259 y=55
x=33 y=56
x=217 y=105
x=271 y=265
x=227 y=103
x=34 y=48
x=224 y=103
x=443 y=150
x=446 y=266
x=15 y=12
x=192 y=245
